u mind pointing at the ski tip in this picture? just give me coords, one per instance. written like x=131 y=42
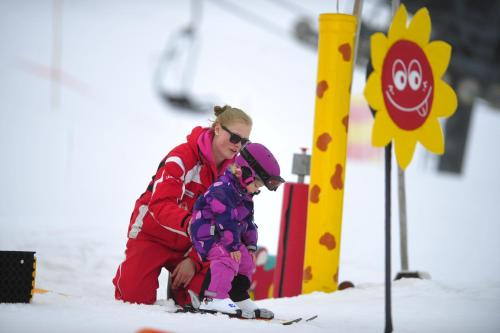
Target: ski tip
x=195 y=300
x=151 y=330
x=41 y=291
x=290 y=322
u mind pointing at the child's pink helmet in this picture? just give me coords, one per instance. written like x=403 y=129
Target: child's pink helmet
x=261 y=163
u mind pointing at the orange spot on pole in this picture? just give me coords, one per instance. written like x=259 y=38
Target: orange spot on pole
x=328 y=240
x=323 y=141
x=336 y=276
x=345 y=49
x=336 y=179
x=345 y=122
x=321 y=88
x=314 y=195
x=307 y=274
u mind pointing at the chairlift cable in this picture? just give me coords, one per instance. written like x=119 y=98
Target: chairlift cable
x=183 y=42
x=251 y=17
x=293 y=7
x=196 y=15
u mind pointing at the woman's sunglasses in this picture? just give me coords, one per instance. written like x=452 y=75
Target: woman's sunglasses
x=235 y=138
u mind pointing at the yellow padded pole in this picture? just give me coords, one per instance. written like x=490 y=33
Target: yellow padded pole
x=326 y=192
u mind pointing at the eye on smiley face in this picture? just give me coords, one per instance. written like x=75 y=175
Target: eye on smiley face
x=407 y=85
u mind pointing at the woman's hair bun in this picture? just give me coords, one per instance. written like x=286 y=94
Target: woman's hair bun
x=220 y=109
x=226 y=115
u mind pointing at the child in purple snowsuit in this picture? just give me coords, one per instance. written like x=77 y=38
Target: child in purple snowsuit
x=223 y=230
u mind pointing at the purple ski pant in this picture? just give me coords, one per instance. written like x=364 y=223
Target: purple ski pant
x=223 y=269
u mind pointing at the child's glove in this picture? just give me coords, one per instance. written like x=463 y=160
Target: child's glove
x=254 y=257
x=236 y=255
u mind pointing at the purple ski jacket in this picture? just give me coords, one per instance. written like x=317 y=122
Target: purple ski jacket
x=224 y=214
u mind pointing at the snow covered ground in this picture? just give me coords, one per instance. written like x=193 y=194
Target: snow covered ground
x=76 y=155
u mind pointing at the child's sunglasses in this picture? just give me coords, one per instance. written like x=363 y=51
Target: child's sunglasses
x=271 y=182
x=235 y=138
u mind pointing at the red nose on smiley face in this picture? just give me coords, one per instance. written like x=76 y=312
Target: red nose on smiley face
x=407 y=85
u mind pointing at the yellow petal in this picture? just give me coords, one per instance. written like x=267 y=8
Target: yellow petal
x=373 y=91
x=439 y=54
x=419 y=30
x=382 y=132
x=378 y=48
x=404 y=147
x=431 y=136
x=445 y=100
x=398 y=25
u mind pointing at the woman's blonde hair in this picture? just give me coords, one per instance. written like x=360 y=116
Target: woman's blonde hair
x=226 y=115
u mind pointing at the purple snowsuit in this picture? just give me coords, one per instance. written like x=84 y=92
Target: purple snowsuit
x=223 y=223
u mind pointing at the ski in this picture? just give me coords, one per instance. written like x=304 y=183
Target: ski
x=285 y=321
x=282 y=321
x=41 y=291
x=312 y=318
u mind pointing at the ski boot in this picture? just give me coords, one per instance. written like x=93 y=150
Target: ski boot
x=251 y=310
x=225 y=306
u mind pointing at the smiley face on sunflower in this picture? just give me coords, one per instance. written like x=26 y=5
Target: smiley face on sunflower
x=406 y=88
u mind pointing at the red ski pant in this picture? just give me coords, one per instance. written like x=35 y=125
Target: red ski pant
x=136 y=279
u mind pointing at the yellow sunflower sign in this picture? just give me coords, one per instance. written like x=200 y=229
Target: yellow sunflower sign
x=406 y=87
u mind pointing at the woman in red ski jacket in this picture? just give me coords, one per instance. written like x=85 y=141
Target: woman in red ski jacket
x=158 y=231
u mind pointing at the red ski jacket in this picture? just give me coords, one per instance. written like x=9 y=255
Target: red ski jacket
x=163 y=212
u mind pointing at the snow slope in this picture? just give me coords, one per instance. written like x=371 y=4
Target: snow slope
x=76 y=155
